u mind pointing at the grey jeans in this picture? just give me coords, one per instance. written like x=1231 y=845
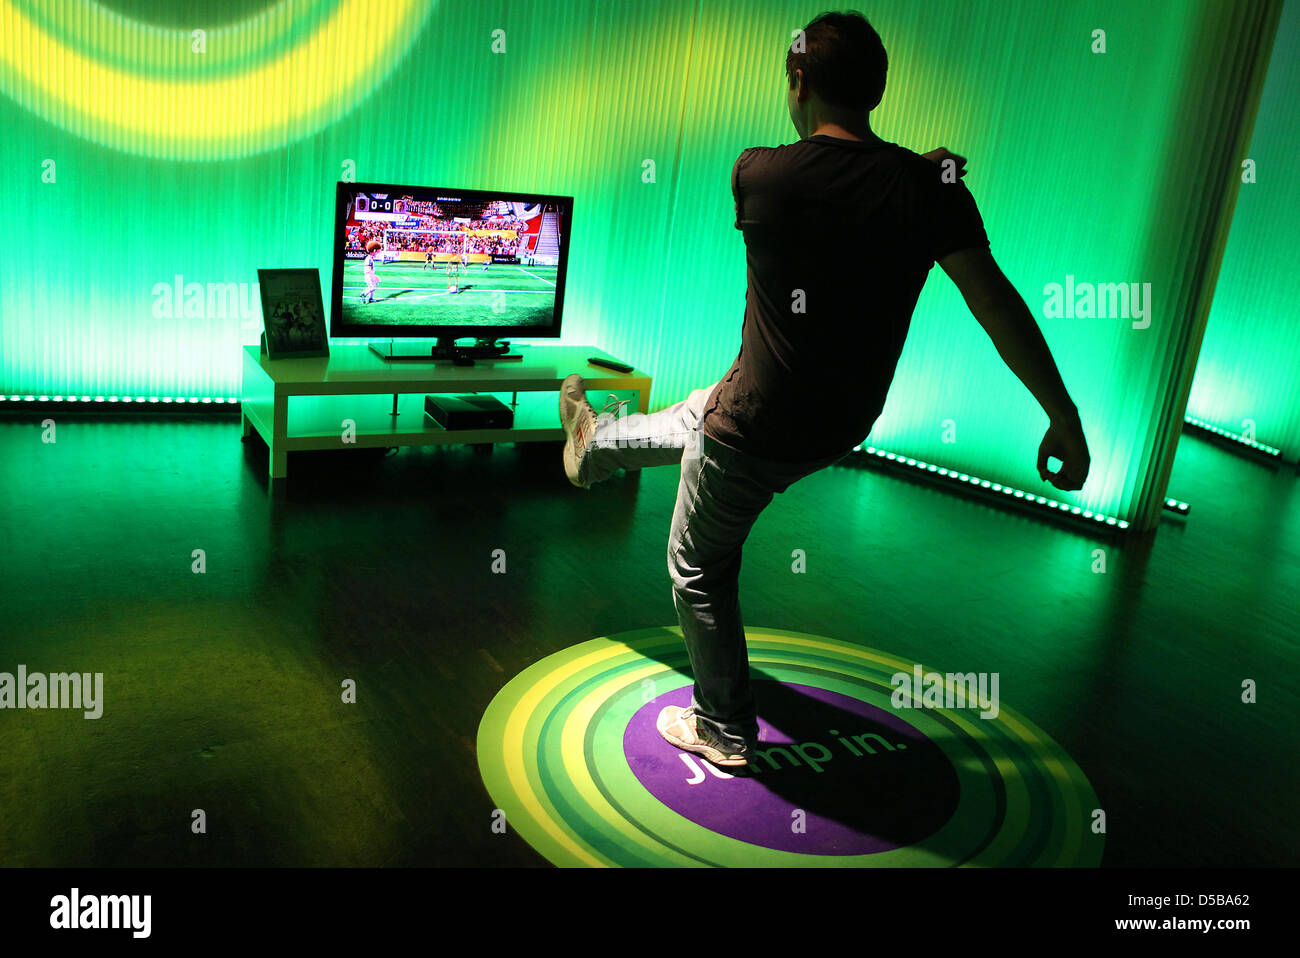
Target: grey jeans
x=720 y=495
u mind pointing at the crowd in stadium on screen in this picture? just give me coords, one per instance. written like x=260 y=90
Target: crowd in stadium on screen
x=449 y=238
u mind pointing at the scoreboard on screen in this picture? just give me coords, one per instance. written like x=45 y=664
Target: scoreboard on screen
x=380 y=207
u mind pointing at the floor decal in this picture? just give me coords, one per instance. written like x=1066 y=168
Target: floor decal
x=569 y=751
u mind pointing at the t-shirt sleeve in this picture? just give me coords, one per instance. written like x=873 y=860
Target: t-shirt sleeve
x=735 y=184
x=954 y=221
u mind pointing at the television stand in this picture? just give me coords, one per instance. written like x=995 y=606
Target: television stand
x=354 y=399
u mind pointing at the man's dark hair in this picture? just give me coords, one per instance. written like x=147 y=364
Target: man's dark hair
x=842 y=60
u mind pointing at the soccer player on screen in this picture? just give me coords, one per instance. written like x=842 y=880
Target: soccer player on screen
x=795 y=399
x=372 y=281
x=453 y=267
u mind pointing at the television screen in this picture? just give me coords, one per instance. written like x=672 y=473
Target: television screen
x=448 y=263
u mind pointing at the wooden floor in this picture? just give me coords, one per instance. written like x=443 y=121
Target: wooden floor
x=222 y=689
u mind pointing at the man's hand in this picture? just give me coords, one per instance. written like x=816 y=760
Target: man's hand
x=1064 y=441
x=943 y=153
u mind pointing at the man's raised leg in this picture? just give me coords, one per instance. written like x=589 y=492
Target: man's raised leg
x=597 y=445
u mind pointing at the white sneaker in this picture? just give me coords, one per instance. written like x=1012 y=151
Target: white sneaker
x=678 y=726
x=579 y=421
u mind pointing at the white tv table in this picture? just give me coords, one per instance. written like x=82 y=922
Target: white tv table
x=355 y=399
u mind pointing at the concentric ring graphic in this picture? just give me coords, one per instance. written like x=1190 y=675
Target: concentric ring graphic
x=567 y=750
x=272 y=78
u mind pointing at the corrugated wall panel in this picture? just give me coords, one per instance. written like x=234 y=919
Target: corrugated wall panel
x=1248 y=376
x=1070 y=160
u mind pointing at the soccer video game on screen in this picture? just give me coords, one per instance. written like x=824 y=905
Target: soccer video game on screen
x=413 y=258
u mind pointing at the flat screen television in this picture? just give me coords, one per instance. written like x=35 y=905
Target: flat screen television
x=445 y=264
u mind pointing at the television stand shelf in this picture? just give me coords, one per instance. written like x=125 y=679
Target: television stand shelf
x=354 y=399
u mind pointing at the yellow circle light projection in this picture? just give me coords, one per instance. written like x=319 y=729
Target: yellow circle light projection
x=201 y=94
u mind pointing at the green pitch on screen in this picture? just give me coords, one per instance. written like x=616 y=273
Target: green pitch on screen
x=145 y=158
x=484 y=297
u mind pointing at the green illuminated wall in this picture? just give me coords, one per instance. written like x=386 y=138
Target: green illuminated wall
x=1248 y=375
x=134 y=159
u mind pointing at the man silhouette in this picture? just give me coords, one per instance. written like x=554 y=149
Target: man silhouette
x=822 y=335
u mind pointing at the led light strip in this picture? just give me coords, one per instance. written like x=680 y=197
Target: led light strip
x=1235 y=437
x=191 y=400
x=1040 y=503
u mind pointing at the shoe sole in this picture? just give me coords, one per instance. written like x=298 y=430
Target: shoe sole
x=570 y=450
x=571 y=459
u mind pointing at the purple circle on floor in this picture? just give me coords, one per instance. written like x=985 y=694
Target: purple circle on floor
x=864 y=779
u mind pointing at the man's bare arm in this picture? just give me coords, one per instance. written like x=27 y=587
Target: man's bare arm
x=998 y=307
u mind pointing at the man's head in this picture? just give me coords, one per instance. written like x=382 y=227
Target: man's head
x=836 y=67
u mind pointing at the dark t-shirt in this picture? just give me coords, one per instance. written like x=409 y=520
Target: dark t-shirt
x=839 y=237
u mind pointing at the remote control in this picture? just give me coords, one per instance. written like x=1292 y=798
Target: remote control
x=610 y=364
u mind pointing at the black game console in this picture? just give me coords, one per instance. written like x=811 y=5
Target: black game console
x=469 y=412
